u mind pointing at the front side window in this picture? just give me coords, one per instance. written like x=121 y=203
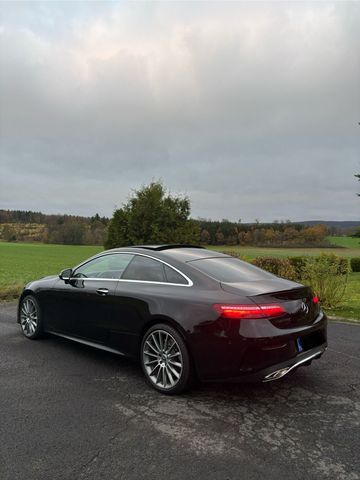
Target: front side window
x=107 y=266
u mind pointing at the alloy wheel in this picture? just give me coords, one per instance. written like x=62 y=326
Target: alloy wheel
x=29 y=317
x=162 y=359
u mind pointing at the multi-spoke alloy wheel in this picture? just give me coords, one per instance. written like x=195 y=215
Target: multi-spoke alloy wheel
x=30 y=317
x=165 y=359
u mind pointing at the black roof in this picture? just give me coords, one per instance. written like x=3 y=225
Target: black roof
x=179 y=252
x=166 y=246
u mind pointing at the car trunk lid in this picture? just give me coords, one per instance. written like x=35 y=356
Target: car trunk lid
x=297 y=300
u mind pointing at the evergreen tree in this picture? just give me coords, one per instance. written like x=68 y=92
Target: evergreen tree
x=152 y=216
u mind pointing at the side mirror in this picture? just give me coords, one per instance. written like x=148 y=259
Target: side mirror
x=65 y=274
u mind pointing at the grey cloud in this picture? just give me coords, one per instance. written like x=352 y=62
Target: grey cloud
x=251 y=110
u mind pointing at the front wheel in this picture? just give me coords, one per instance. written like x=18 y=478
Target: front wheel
x=165 y=359
x=30 y=317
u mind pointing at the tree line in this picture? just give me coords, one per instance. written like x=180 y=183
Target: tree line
x=153 y=215
x=277 y=234
x=19 y=225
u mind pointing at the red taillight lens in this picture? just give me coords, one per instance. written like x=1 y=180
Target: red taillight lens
x=272 y=310
x=315 y=300
x=249 y=311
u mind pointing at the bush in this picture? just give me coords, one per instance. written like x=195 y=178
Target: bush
x=327 y=275
x=355 y=264
x=343 y=265
x=299 y=265
x=278 y=266
x=237 y=254
x=356 y=234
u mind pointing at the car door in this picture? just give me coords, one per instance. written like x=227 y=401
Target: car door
x=143 y=287
x=87 y=302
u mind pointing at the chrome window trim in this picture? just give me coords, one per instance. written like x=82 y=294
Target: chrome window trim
x=99 y=279
x=189 y=284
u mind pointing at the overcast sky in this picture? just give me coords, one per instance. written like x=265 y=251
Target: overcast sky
x=251 y=109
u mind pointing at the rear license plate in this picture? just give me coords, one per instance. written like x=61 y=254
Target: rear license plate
x=299 y=345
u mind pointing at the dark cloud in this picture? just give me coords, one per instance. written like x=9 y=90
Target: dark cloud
x=250 y=109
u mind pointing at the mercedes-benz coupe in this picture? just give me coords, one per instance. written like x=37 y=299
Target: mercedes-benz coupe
x=183 y=311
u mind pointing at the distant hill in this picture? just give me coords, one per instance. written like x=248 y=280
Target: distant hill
x=23 y=216
x=28 y=216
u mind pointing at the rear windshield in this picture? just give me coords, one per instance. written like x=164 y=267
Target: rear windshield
x=229 y=269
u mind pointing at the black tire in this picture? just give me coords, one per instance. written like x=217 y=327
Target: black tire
x=30 y=317
x=161 y=366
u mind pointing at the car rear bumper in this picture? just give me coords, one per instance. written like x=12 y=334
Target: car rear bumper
x=275 y=372
x=262 y=352
x=279 y=371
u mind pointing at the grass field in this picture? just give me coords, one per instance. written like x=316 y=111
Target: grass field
x=350 y=307
x=22 y=262
x=251 y=252
x=346 y=242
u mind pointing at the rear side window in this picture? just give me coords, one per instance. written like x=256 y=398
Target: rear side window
x=172 y=276
x=151 y=270
x=229 y=269
x=144 y=268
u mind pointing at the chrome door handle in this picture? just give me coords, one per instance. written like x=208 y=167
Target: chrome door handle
x=102 y=291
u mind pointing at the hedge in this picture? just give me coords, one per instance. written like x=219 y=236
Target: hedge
x=278 y=266
x=326 y=274
x=355 y=264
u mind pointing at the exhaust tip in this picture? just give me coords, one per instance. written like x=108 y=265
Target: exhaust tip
x=277 y=374
x=283 y=371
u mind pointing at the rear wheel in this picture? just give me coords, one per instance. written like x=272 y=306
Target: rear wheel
x=165 y=359
x=30 y=317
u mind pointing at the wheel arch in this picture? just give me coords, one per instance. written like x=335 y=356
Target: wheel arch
x=162 y=319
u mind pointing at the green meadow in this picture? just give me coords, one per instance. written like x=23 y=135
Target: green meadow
x=343 y=246
x=22 y=262
x=345 y=242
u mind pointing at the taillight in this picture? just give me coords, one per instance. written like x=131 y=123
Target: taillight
x=249 y=311
x=315 y=300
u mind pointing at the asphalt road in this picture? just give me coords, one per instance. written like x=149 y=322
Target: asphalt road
x=72 y=412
